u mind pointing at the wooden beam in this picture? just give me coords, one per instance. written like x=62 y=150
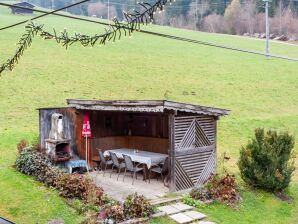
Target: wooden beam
x=215 y=146
x=187 y=151
x=171 y=122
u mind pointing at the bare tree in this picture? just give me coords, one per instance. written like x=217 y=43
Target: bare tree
x=290 y=25
x=101 y=10
x=214 y=23
x=248 y=12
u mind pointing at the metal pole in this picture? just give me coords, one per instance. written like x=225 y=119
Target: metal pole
x=280 y=17
x=196 y=15
x=109 y=10
x=267 y=28
x=87 y=153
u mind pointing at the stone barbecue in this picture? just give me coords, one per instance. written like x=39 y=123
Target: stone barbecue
x=57 y=145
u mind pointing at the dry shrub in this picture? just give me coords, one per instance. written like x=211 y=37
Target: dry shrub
x=78 y=186
x=223 y=189
x=137 y=206
x=134 y=206
x=49 y=176
x=114 y=212
x=22 y=144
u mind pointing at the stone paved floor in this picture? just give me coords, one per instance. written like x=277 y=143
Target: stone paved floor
x=182 y=213
x=119 y=189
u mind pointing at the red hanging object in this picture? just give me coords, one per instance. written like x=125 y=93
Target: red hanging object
x=86 y=132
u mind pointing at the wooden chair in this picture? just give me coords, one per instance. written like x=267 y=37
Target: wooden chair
x=116 y=164
x=129 y=166
x=161 y=169
x=103 y=161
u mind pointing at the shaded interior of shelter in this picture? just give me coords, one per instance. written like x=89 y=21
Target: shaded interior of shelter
x=143 y=131
x=133 y=130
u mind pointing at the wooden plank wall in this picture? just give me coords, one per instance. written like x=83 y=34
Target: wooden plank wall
x=159 y=145
x=106 y=123
x=195 y=144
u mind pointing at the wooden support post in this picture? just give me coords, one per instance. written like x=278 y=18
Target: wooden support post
x=171 y=119
x=215 y=143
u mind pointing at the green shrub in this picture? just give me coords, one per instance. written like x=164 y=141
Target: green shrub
x=38 y=165
x=267 y=161
x=81 y=207
x=189 y=200
x=137 y=206
x=200 y=194
x=32 y=163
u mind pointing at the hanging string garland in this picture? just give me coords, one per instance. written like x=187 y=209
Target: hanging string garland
x=114 y=32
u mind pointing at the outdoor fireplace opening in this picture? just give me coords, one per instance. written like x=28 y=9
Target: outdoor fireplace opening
x=57 y=145
x=62 y=152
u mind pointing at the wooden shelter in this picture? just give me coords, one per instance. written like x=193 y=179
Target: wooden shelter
x=185 y=132
x=27 y=5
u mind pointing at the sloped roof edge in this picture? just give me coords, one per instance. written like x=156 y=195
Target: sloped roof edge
x=144 y=106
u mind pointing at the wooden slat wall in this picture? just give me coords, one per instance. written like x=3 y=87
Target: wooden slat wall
x=195 y=150
x=182 y=124
x=140 y=124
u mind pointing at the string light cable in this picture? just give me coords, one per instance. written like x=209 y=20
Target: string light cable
x=114 y=31
x=87 y=40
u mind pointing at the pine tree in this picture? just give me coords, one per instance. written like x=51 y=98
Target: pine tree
x=267 y=161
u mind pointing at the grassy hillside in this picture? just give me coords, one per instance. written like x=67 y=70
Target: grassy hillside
x=259 y=93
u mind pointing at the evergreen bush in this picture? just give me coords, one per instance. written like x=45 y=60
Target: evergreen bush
x=267 y=161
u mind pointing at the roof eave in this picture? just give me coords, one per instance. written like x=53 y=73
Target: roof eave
x=170 y=105
x=144 y=106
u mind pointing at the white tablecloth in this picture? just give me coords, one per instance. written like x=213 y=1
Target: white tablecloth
x=148 y=158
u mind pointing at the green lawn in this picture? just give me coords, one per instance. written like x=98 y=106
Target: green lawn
x=259 y=93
